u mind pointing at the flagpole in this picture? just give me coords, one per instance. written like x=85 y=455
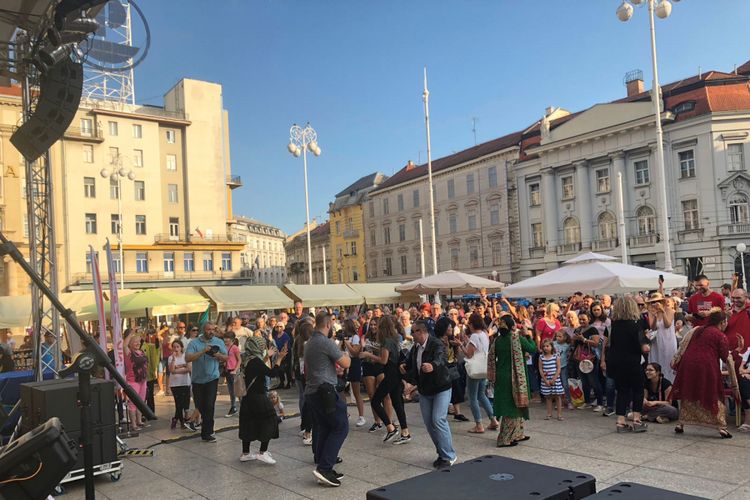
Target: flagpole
x=426 y=99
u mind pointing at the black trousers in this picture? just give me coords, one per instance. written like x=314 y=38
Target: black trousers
x=150 y=394
x=204 y=396
x=390 y=386
x=246 y=447
x=629 y=390
x=181 y=395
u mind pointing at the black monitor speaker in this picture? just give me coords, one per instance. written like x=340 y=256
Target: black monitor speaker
x=60 y=91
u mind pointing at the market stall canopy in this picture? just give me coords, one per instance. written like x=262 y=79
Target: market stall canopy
x=590 y=274
x=324 y=295
x=15 y=311
x=247 y=298
x=155 y=302
x=450 y=281
x=382 y=293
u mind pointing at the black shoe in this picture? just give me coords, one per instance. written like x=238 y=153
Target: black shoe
x=209 y=439
x=375 y=427
x=327 y=477
x=436 y=463
x=460 y=417
x=390 y=435
x=443 y=464
x=337 y=474
x=339 y=460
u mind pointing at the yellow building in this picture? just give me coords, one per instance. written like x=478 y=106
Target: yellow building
x=347 y=230
x=164 y=173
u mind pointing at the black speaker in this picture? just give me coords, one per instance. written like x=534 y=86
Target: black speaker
x=491 y=476
x=103 y=445
x=625 y=491
x=35 y=463
x=59 y=96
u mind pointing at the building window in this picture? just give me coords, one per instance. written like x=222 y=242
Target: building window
x=738 y=209
x=415 y=198
x=168 y=262
x=208 y=261
x=371 y=208
x=572 y=231
x=116 y=264
x=114 y=156
x=172 y=163
x=354 y=248
x=372 y=237
x=89 y=187
x=607 y=226
x=492 y=176
x=188 y=260
x=400 y=202
x=374 y=268
x=646 y=221
x=535 y=196
x=140 y=190
x=687 y=163
x=536 y=235
x=602 y=180
x=404 y=269
x=387 y=235
x=138 y=158
x=25 y=225
x=641 y=173
x=568 y=191
x=474 y=256
x=454 y=258
x=171 y=136
x=452 y=223
x=339 y=252
x=172 y=193
x=174 y=227
x=114 y=223
x=137 y=131
x=355 y=274
x=386 y=209
x=401 y=232
x=690 y=214
x=495 y=248
x=89 y=264
x=114 y=188
x=113 y=129
x=140 y=224
x=141 y=262
x=472 y=218
x=338 y=228
x=88 y=153
x=90 y=223
x=388 y=271
x=451 y=189
x=469 y=183
x=495 y=214
x=87 y=127
x=735 y=157
x=226 y=261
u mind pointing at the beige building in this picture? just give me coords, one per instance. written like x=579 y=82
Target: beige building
x=296 y=255
x=263 y=259
x=170 y=170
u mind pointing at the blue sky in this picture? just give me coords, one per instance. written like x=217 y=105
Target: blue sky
x=354 y=70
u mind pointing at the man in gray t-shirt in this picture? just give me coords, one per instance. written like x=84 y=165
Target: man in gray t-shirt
x=328 y=411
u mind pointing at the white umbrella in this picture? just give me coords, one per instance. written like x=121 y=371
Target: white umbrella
x=452 y=281
x=593 y=273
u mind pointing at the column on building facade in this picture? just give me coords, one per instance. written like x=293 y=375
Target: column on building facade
x=618 y=167
x=549 y=200
x=583 y=202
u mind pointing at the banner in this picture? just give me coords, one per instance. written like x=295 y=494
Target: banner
x=114 y=307
x=94 y=259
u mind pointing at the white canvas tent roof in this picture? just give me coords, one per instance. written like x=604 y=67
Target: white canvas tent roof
x=247 y=298
x=450 y=281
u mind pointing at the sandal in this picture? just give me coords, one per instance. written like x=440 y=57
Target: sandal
x=624 y=428
x=548 y=417
x=475 y=431
x=744 y=428
x=525 y=438
x=560 y=419
x=514 y=443
x=494 y=427
x=639 y=426
x=679 y=429
x=724 y=434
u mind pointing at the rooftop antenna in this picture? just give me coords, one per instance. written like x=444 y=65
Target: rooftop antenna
x=700 y=73
x=474 y=128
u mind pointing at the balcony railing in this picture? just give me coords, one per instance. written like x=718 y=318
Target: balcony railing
x=690 y=235
x=87 y=134
x=608 y=244
x=198 y=239
x=536 y=252
x=569 y=248
x=726 y=229
x=162 y=275
x=644 y=240
x=234 y=181
x=351 y=233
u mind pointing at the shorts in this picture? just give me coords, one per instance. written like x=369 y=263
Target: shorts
x=163 y=366
x=140 y=389
x=355 y=371
x=371 y=369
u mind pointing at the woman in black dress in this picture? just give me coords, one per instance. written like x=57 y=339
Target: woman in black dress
x=257 y=414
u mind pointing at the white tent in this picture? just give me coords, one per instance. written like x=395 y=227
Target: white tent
x=593 y=273
x=248 y=298
x=450 y=281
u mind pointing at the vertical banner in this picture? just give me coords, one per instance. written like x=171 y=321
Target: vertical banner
x=99 y=298
x=114 y=307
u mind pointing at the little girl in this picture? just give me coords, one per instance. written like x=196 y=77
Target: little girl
x=562 y=347
x=549 y=367
x=179 y=383
x=277 y=405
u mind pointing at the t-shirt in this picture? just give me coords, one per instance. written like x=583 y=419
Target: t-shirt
x=393 y=351
x=205 y=368
x=480 y=341
x=152 y=354
x=281 y=340
x=654 y=395
x=548 y=332
x=232 y=358
x=321 y=354
x=698 y=303
x=178 y=379
x=563 y=350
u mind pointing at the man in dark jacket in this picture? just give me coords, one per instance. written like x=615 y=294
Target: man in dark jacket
x=426 y=368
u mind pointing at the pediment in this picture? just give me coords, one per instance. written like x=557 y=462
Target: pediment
x=600 y=117
x=737 y=180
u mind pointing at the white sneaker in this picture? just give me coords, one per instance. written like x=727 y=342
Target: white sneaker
x=361 y=421
x=246 y=457
x=598 y=408
x=160 y=393
x=307 y=441
x=265 y=457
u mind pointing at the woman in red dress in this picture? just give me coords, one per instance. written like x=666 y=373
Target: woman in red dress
x=698 y=384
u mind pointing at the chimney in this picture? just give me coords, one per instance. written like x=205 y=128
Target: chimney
x=634 y=82
x=410 y=166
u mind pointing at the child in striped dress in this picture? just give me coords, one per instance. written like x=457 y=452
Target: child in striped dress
x=552 y=389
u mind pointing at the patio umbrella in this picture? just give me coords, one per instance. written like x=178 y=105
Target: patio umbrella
x=453 y=281
x=593 y=273
x=154 y=302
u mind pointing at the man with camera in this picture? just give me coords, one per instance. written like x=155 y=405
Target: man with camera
x=330 y=423
x=205 y=352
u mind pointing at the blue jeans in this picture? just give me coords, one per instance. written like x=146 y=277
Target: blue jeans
x=609 y=391
x=477 y=397
x=564 y=380
x=434 y=410
x=230 y=388
x=329 y=430
x=591 y=381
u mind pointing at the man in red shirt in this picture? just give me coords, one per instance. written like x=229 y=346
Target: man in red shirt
x=701 y=302
x=739 y=321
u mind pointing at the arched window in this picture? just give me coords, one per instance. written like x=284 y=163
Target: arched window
x=572 y=231
x=738 y=209
x=607 y=226
x=646 y=221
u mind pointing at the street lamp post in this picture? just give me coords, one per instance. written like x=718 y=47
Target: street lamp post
x=494 y=275
x=742 y=248
x=662 y=9
x=300 y=140
x=118 y=174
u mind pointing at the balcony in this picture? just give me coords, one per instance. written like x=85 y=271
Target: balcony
x=730 y=229
x=350 y=234
x=644 y=240
x=196 y=239
x=89 y=135
x=690 y=235
x=234 y=181
x=600 y=245
x=536 y=252
x=177 y=275
x=569 y=248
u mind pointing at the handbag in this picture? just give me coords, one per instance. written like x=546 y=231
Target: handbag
x=453 y=372
x=476 y=366
x=240 y=390
x=584 y=352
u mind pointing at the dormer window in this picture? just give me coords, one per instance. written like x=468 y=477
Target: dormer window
x=684 y=107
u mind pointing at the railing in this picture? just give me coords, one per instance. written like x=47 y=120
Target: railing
x=195 y=238
x=165 y=275
x=569 y=248
x=234 y=180
x=644 y=240
x=536 y=252
x=609 y=244
x=94 y=134
x=690 y=235
x=128 y=108
x=351 y=233
x=725 y=229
